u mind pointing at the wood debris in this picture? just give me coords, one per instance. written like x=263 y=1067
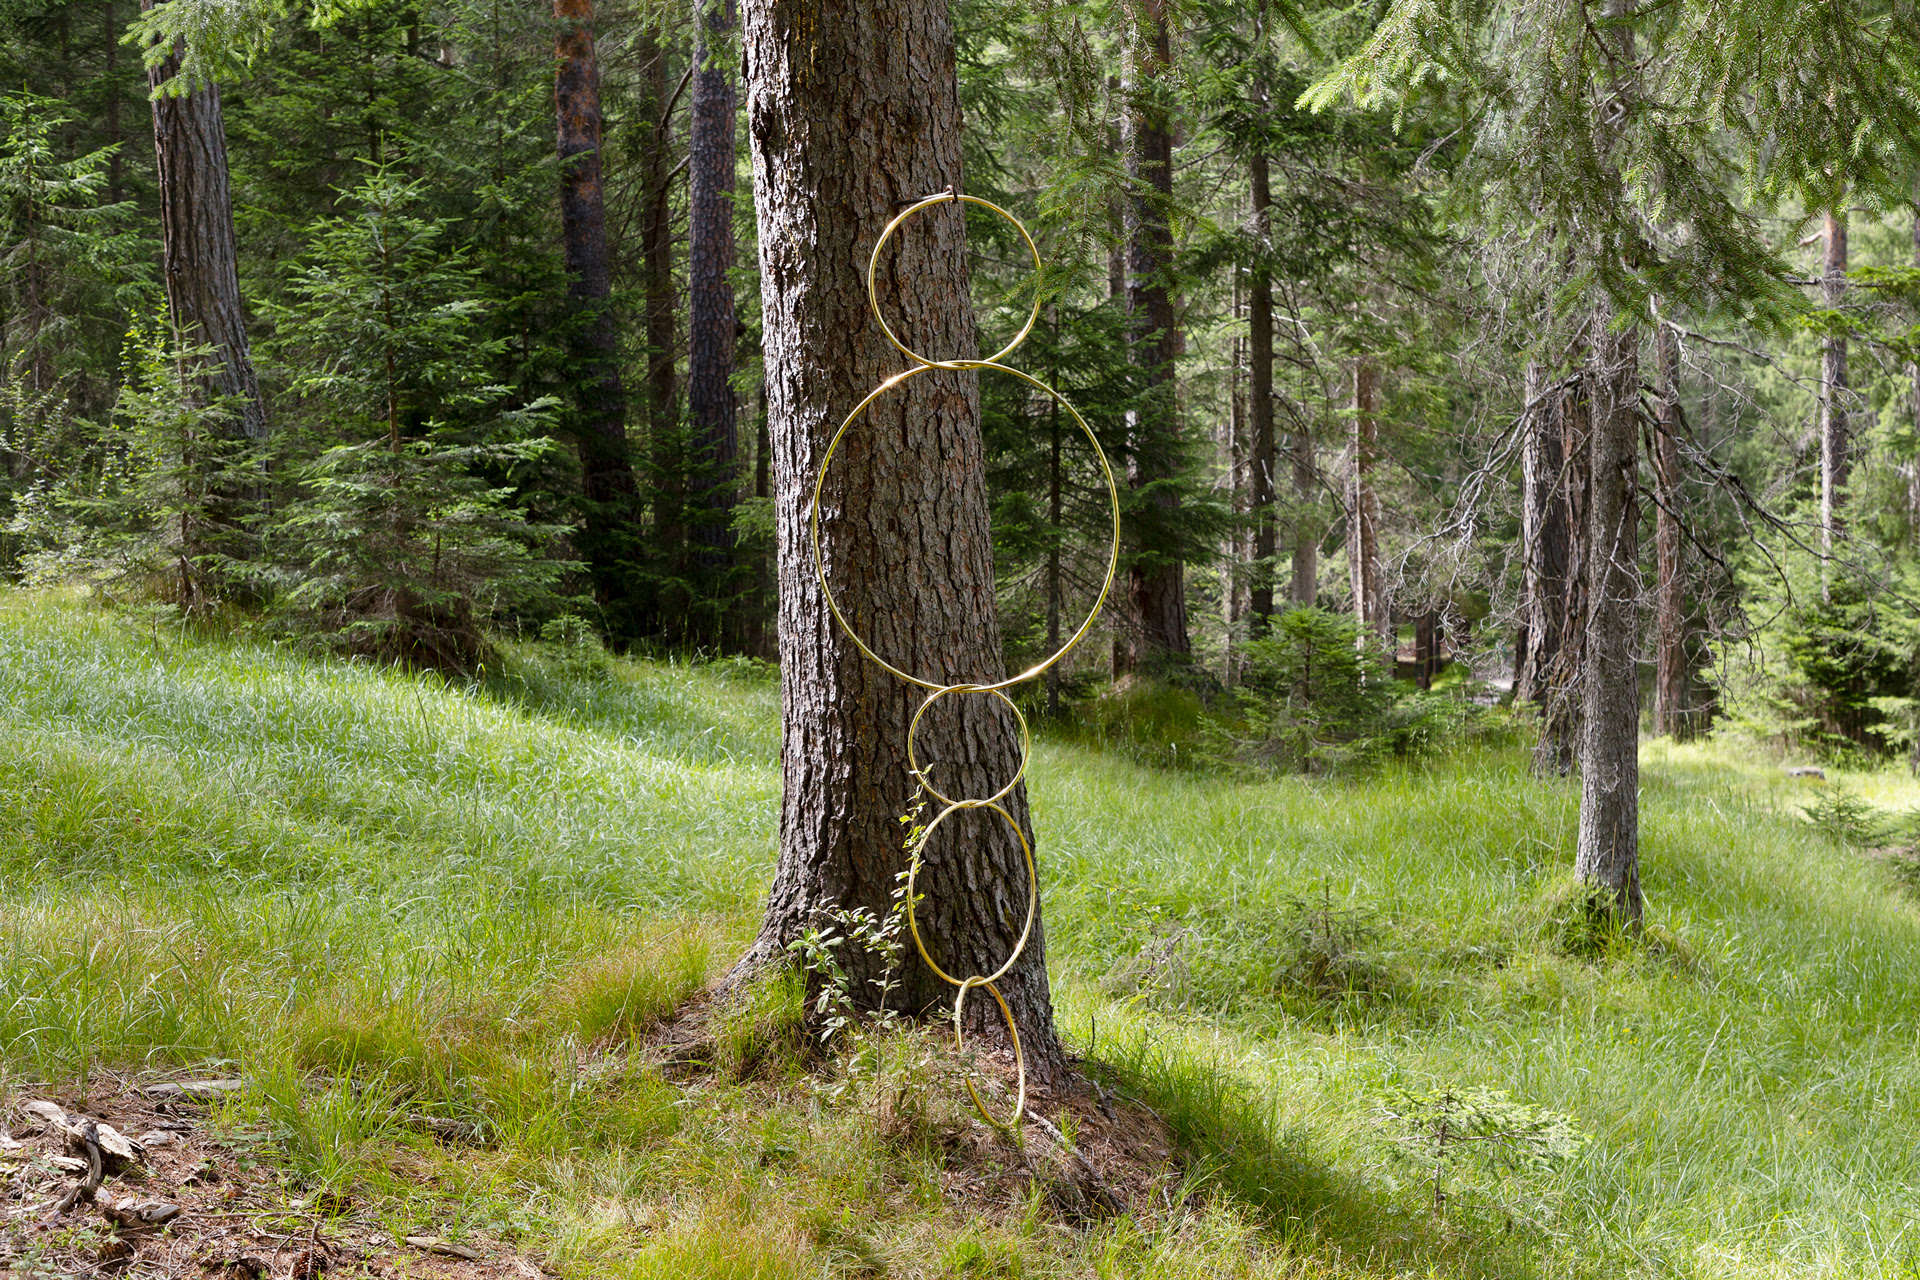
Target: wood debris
x=181 y=1195
x=434 y=1244
x=192 y=1090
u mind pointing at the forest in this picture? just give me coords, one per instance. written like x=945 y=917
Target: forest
x=770 y=638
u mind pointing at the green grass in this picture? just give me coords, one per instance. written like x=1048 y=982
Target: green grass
x=462 y=897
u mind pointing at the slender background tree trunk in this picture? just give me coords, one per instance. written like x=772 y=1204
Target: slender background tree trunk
x=1363 y=508
x=711 y=316
x=1608 y=857
x=197 y=242
x=1304 y=579
x=1560 y=678
x=851 y=114
x=1913 y=465
x=664 y=443
x=1834 y=458
x=1671 y=694
x=599 y=424
x=1543 y=539
x=1260 y=499
x=1056 y=516
x=1156 y=587
x=114 y=165
x=1426 y=648
x=1236 y=596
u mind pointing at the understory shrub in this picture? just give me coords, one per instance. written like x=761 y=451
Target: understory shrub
x=1318 y=696
x=408 y=530
x=1836 y=669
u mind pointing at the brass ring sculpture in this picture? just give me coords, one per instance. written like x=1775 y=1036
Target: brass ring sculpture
x=938 y=691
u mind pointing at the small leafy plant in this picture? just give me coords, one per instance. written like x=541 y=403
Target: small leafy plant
x=818 y=951
x=883 y=938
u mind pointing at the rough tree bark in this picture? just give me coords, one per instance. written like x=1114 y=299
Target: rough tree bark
x=1156 y=587
x=599 y=423
x=1564 y=547
x=1913 y=465
x=656 y=254
x=850 y=116
x=1671 y=693
x=1263 y=462
x=1608 y=858
x=1363 y=507
x=197 y=241
x=1543 y=540
x=1833 y=385
x=711 y=316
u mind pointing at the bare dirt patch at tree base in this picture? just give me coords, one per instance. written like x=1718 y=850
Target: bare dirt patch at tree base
x=192 y=1204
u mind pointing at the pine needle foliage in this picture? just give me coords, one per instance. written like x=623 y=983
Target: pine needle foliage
x=71 y=270
x=1590 y=128
x=406 y=536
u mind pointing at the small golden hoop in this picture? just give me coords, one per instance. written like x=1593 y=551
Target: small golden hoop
x=819 y=559
x=1033 y=892
x=873 y=265
x=1019 y=1055
x=913 y=761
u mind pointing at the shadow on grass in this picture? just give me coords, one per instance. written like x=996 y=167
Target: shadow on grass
x=705 y=712
x=1240 y=1149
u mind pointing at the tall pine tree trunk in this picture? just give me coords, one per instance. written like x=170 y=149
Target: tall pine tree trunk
x=1156 y=590
x=1363 y=507
x=1236 y=597
x=1607 y=860
x=599 y=420
x=1671 y=670
x=1543 y=539
x=1564 y=546
x=849 y=118
x=664 y=444
x=1833 y=385
x=1260 y=497
x=201 y=271
x=711 y=316
x=1913 y=465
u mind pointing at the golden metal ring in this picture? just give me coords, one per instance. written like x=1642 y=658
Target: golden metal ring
x=1033 y=892
x=913 y=761
x=873 y=265
x=939 y=691
x=1019 y=1058
x=819 y=559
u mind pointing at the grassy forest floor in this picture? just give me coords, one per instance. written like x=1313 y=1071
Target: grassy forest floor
x=426 y=924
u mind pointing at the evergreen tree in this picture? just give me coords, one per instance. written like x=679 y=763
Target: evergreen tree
x=401 y=536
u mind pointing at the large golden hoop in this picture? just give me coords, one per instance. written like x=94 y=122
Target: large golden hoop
x=819 y=485
x=939 y=691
